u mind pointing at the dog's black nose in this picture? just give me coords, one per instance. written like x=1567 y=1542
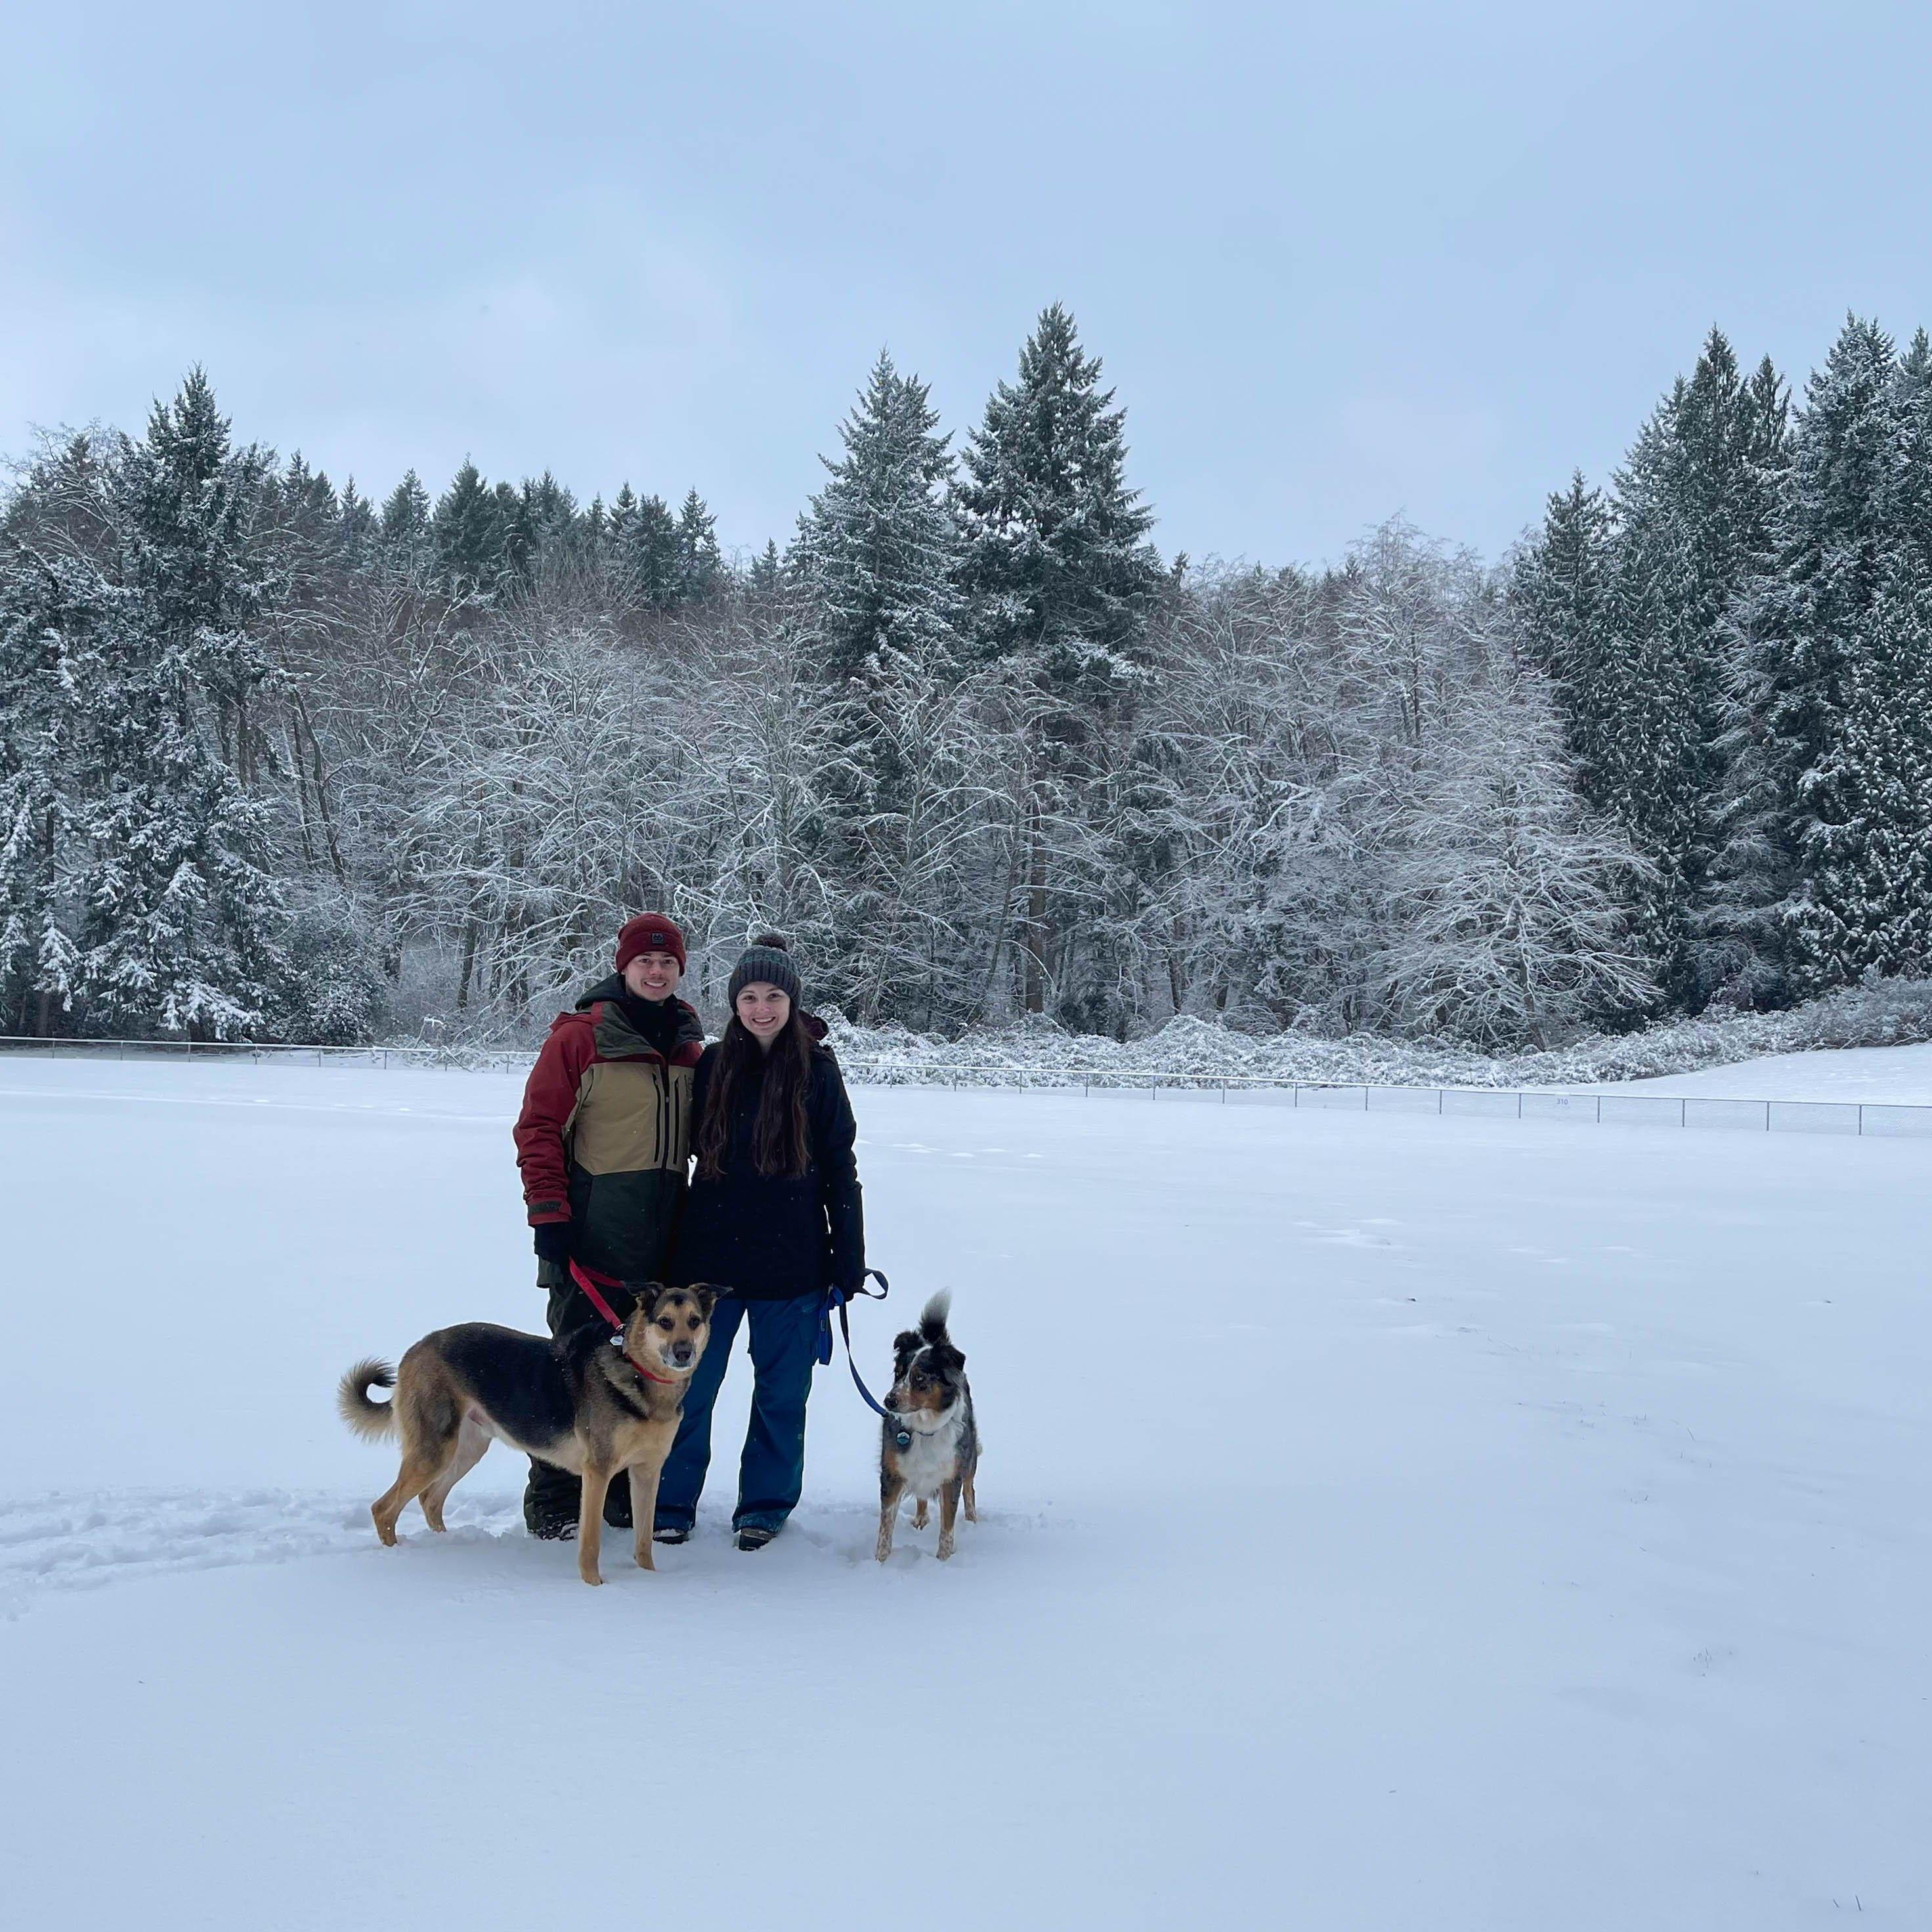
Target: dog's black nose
x=680 y=1353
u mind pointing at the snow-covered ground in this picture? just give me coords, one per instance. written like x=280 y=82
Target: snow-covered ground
x=1894 y=1073
x=1391 y=1523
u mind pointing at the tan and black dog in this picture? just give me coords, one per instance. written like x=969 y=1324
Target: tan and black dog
x=929 y=1445
x=582 y=1402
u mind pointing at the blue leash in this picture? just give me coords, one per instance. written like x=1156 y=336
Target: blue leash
x=836 y=1298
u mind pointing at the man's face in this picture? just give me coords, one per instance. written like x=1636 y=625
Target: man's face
x=653 y=975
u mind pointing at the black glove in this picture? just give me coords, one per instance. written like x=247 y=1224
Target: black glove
x=552 y=1241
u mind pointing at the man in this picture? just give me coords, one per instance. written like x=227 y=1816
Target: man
x=602 y=1143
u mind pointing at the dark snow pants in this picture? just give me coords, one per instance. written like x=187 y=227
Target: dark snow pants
x=784 y=1340
x=553 y=1497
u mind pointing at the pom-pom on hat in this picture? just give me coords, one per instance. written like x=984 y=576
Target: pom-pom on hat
x=767 y=958
x=650 y=932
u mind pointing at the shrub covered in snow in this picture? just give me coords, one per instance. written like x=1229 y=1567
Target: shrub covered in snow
x=1884 y=1013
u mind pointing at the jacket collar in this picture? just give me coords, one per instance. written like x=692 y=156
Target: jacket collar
x=617 y=1039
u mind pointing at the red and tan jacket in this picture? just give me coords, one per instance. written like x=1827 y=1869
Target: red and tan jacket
x=604 y=1135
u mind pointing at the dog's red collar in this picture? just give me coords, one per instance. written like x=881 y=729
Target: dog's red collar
x=588 y=1282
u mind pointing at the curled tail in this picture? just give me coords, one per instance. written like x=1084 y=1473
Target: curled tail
x=932 y=1316
x=368 y=1418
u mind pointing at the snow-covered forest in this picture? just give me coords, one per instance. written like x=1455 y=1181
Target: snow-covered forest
x=278 y=761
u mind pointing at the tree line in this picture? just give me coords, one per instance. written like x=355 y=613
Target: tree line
x=281 y=762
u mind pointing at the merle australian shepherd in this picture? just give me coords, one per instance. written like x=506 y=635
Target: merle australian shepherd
x=928 y=1446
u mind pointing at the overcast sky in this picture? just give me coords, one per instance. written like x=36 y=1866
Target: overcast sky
x=1341 y=261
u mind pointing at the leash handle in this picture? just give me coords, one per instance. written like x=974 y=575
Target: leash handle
x=836 y=1298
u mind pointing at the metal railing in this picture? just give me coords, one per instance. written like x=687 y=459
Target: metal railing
x=256 y=1052
x=1872 y=1119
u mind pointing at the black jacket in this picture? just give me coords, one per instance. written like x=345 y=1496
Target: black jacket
x=767 y=1238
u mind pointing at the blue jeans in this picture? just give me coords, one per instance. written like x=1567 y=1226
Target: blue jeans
x=771 y=1472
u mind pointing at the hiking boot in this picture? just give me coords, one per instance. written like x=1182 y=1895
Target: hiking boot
x=754 y=1536
x=671 y=1532
x=549 y=1525
x=550 y=1500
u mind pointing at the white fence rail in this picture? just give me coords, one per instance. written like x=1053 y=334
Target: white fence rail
x=1872 y=1119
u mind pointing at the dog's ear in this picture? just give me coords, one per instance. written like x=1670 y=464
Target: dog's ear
x=950 y=1357
x=649 y=1294
x=705 y=1297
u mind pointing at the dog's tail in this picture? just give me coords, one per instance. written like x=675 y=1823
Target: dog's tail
x=932 y=1317
x=352 y=1403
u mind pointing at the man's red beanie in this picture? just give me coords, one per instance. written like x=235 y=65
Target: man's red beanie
x=651 y=933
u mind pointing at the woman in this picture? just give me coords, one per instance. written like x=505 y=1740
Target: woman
x=773 y=1221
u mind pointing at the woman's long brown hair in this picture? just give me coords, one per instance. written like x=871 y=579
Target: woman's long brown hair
x=780 y=1136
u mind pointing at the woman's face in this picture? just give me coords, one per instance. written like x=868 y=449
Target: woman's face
x=763 y=1011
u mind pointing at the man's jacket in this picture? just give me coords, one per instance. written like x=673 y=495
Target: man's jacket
x=605 y=1131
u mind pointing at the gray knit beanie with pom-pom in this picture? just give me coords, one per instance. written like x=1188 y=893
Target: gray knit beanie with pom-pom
x=767 y=958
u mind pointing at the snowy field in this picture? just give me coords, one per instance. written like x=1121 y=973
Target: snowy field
x=1391 y=1524
x=1887 y=1073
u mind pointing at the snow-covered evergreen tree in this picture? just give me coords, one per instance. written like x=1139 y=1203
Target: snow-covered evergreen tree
x=470 y=531
x=1562 y=594
x=1835 y=552
x=1866 y=904
x=700 y=562
x=181 y=915
x=39 y=609
x=640 y=549
x=405 y=519
x=872 y=572
x=1062 y=583
x=877 y=549
x=1630 y=607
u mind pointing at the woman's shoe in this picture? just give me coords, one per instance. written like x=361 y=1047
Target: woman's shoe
x=671 y=1532
x=754 y=1536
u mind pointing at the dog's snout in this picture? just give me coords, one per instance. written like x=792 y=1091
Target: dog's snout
x=681 y=1353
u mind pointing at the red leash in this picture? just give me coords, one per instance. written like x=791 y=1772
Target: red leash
x=586 y=1280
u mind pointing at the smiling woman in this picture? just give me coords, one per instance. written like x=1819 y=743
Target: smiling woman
x=774 y=1219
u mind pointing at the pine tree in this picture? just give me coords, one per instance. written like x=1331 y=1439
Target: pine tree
x=180 y=919
x=767 y=570
x=38 y=962
x=189 y=504
x=1062 y=582
x=649 y=553
x=470 y=532
x=1912 y=480
x=700 y=563
x=620 y=524
x=1056 y=559
x=1836 y=553
x=539 y=525
x=1866 y=906
x=357 y=524
x=873 y=567
x=877 y=550
x=1630 y=606
x=406 y=519
x=1739 y=946
x=1590 y=597
x=1562 y=597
